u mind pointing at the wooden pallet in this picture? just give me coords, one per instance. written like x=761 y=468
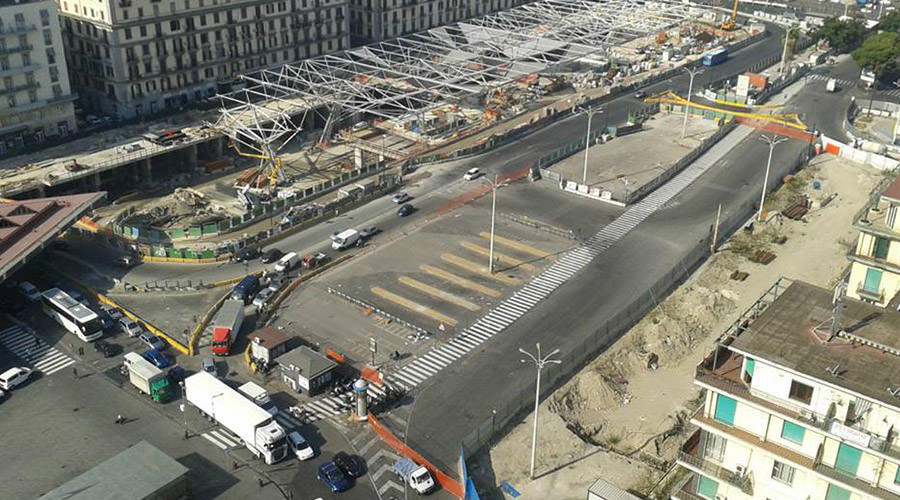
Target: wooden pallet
x=739 y=275
x=762 y=257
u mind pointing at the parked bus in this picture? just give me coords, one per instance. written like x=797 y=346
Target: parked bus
x=73 y=316
x=715 y=56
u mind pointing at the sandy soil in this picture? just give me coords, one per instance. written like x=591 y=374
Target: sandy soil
x=620 y=419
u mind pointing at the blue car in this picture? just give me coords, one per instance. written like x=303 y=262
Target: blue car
x=405 y=210
x=157 y=358
x=333 y=477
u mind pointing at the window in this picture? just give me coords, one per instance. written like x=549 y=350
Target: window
x=143 y=29
x=783 y=472
x=847 y=461
x=4 y=63
x=713 y=446
x=51 y=55
x=57 y=91
x=54 y=74
x=11 y=101
x=45 y=17
x=793 y=432
x=725 y=409
x=32 y=96
x=836 y=493
x=873 y=280
x=707 y=488
x=128 y=33
x=48 y=37
x=881 y=248
x=173 y=25
x=800 y=392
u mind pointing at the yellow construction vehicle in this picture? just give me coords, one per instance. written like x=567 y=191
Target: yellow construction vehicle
x=255 y=177
x=731 y=23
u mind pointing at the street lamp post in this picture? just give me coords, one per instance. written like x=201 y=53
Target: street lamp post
x=495 y=184
x=587 y=138
x=687 y=107
x=772 y=142
x=896 y=118
x=539 y=362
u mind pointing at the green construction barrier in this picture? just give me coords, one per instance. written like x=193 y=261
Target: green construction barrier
x=210 y=228
x=208 y=254
x=195 y=231
x=257 y=212
x=174 y=253
x=153 y=234
x=159 y=251
x=176 y=234
x=268 y=209
x=247 y=217
x=279 y=204
x=224 y=225
x=190 y=254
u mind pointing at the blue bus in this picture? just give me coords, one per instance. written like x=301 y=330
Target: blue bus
x=715 y=56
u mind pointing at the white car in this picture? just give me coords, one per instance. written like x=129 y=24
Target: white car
x=113 y=313
x=262 y=297
x=299 y=445
x=13 y=377
x=472 y=173
x=130 y=328
x=400 y=198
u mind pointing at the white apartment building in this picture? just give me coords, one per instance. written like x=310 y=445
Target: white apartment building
x=134 y=57
x=377 y=20
x=36 y=102
x=793 y=412
x=875 y=268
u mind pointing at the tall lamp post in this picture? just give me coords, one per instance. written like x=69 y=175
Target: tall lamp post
x=494 y=184
x=772 y=142
x=539 y=362
x=896 y=118
x=590 y=112
x=687 y=107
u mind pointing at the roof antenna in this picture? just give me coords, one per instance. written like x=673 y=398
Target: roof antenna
x=894 y=392
x=835 y=371
x=840 y=291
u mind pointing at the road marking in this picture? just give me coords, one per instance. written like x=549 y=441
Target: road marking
x=214 y=441
x=369 y=444
x=380 y=472
x=34 y=351
x=478 y=269
x=382 y=453
x=460 y=281
x=530 y=250
x=388 y=485
x=413 y=306
x=438 y=293
x=502 y=258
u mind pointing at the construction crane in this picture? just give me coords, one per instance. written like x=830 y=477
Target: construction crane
x=269 y=169
x=731 y=23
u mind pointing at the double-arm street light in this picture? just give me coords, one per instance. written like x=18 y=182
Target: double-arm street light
x=590 y=112
x=687 y=107
x=494 y=184
x=539 y=362
x=772 y=142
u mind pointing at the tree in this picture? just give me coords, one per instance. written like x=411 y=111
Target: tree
x=890 y=23
x=878 y=53
x=840 y=35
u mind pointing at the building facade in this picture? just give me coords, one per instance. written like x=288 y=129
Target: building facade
x=36 y=103
x=794 y=408
x=135 y=57
x=377 y=20
x=875 y=262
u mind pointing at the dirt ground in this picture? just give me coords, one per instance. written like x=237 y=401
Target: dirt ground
x=623 y=421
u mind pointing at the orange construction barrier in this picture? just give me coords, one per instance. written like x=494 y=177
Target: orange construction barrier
x=372 y=375
x=448 y=483
x=335 y=356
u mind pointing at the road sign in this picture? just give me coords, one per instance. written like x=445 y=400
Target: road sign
x=373 y=345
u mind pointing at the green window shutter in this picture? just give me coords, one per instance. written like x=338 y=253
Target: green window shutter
x=749 y=366
x=707 y=488
x=793 y=432
x=848 y=460
x=725 y=409
x=881 y=248
x=897 y=476
x=837 y=493
x=873 y=280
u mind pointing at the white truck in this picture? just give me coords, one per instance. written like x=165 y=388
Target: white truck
x=416 y=476
x=260 y=396
x=344 y=239
x=831 y=85
x=147 y=378
x=254 y=426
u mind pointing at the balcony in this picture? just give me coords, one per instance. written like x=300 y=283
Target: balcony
x=12 y=50
x=864 y=486
x=19 y=88
x=688 y=490
x=691 y=457
x=17 y=28
x=874 y=296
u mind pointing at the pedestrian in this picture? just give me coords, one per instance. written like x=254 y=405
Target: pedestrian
x=75 y=373
x=119 y=418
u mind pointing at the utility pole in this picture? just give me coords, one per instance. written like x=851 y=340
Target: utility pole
x=539 y=363
x=712 y=245
x=784 y=54
x=687 y=107
x=587 y=139
x=772 y=142
x=495 y=184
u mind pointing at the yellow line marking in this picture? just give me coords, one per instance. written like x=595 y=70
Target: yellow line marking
x=413 y=306
x=460 y=281
x=537 y=252
x=505 y=259
x=473 y=267
x=436 y=292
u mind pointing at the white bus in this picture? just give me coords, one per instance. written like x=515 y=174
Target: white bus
x=73 y=316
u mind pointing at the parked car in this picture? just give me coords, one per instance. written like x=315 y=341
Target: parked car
x=106 y=322
x=300 y=446
x=14 y=377
x=107 y=349
x=130 y=328
x=249 y=255
x=405 y=210
x=176 y=374
x=400 y=198
x=271 y=255
x=30 y=291
x=352 y=465
x=158 y=359
x=368 y=231
x=471 y=174
x=112 y=312
x=262 y=297
x=152 y=341
x=209 y=366
x=333 y=477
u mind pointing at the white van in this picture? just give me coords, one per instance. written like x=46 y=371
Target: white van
x=344 y=239
x=30 y=291
x=13 y=377
x=287 y=262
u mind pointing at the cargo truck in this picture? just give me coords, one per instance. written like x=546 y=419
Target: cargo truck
x=254 y=426
x=260 y=396
x=147 y=378
x=344 y=239
x=227 y=326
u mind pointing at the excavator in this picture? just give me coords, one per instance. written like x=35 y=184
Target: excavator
x=731 y=24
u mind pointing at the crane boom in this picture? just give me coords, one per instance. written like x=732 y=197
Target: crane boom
x=732 y=23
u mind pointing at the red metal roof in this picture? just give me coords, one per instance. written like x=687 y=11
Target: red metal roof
x=893 y=191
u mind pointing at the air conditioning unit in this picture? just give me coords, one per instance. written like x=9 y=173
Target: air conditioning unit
x=740 y=470
x=721 y=497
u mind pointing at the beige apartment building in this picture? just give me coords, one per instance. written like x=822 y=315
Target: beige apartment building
x=36 y=102
x=796 y=408
x=134 y=57
x=875 y=261
x=377 y=20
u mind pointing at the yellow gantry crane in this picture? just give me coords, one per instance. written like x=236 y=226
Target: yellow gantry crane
x=731 y=23
x=786 y=119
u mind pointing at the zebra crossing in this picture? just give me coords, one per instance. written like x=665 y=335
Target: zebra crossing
x=34 y=351
x=524 y=299
x=222 y=439
x=844 y=84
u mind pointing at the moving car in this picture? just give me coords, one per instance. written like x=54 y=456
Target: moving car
x=640 y=94
x=333 y=477
x=249 y=255
x=300 y=446
x=152 y=341
x=351 y=465
x=405 y=210
x=209 y=366
x=262 y=297
x=106 y=349
x=472 y=173
x=271 y=255
x=158 y=359
x=130 y=328
x=400 y=198
x=14 y=377
x=368 y=231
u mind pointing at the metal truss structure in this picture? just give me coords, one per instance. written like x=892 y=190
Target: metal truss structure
x=409 y=75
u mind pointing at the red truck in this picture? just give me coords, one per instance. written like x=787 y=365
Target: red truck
x=226 y=326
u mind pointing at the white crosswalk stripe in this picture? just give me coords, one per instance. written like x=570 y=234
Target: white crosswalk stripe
x=222 y=439
x=34 y=351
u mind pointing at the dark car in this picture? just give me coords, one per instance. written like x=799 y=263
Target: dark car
x=177 y=374
x=333 y=477
x=405 y=210
x=106 y=349
x=640 y=94
x=272 y=255
x=351 y=465
x=249 y=255
x=106 y=321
